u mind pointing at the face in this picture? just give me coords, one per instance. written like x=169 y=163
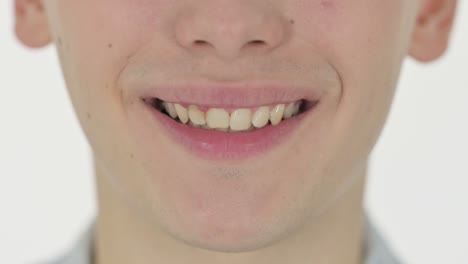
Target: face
x=228 y=190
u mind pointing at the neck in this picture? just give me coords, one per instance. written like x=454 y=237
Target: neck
x=334 y=237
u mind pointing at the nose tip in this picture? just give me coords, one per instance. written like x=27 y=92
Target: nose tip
x=232 y=30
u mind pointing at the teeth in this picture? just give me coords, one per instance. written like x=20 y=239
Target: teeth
x=277 y=114
x=192 y=124
x=296 y=108
x=170 y=109
x=288 y=111
x=261 y=116
x=241 y=119
x=217 y=118
x=182 y=113
x=196 y=115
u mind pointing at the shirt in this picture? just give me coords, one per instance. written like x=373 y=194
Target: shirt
x=377 y=251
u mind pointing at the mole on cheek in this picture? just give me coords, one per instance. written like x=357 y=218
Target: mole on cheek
x=327 y=3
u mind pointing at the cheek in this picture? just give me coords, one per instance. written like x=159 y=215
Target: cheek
x=370 y=42
x=366 y=42
x=94 y=45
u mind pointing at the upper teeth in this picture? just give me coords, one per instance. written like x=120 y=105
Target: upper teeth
x=238 y=120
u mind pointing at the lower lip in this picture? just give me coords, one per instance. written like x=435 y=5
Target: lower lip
x=218 y=145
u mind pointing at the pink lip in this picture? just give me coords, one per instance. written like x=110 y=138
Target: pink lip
x=218 y=145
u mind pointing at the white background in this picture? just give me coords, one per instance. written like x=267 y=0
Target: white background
x=417 y=191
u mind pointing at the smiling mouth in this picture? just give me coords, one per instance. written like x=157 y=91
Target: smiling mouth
x=231 y=119
x=227 y=121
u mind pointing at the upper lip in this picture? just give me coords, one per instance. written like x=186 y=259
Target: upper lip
x=231 y=95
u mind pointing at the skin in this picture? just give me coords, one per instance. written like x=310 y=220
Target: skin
x=297 y=204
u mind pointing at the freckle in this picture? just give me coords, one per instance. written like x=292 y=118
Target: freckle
x=110 y=45
x=88 y=115
x=327 y=3
x=59 y=40
x=131 y=155
x=291 y=21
